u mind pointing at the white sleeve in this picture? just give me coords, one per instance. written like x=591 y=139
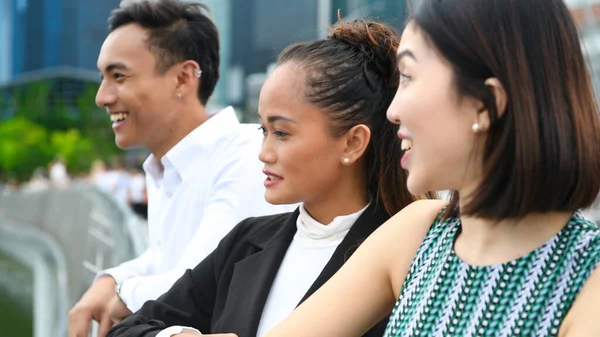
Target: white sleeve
x=174 y=330
x=126 y=270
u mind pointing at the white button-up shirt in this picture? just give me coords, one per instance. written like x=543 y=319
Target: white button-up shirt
x=211 y=180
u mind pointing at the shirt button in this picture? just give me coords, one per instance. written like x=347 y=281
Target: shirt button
x=169 y=194
x=158 y=243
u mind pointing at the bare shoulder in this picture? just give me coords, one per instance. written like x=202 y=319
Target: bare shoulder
x=582 y=319
x=413 y=222
x=418 y=211
x=399 y=238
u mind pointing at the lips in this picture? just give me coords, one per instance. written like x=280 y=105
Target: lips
x=272 y=176
x=406 y=147
x=272 y=179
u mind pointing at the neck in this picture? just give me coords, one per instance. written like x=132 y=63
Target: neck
x=348 y=197
x=189 y=118
x=491 y=241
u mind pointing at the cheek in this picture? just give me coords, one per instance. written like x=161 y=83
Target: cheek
x=309 y=163
x=148 y=92
x=152 y=105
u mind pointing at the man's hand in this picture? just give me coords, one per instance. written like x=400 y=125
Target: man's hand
x=93 y=305
x=117 y=310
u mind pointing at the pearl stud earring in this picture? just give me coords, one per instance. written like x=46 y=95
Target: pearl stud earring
x=346 y=160
x=476 y=127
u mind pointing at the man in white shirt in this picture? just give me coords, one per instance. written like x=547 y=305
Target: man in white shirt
x=159 y=66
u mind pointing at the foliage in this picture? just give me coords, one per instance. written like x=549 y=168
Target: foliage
x=77 y=150
x=23 y=147
x=43 y=119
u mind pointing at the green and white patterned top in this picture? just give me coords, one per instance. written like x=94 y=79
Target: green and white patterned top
x=444 y=296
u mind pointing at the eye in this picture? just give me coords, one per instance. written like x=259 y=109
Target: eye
x=280 y=134
x=263 y=130
x=118 y=77
x=404 y=79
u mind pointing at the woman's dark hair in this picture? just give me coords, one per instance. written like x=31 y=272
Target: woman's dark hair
x=543 y=153
x=352 y=75
x=177 y=31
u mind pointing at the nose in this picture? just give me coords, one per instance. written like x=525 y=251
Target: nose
x=393 y=112
x=266 y=154
x=105 y=95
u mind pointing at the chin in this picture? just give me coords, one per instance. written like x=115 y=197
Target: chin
x=278 y=199
x=123 y=142
x=417 y=186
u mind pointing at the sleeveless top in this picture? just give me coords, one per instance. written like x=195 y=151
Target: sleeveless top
x=530 y=296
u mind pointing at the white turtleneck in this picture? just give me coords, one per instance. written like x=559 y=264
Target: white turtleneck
x=310 y=250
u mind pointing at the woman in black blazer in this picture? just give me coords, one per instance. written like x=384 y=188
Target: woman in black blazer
x=327 y=145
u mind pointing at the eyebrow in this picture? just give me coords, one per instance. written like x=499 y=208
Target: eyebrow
x=115 y=66
x=273 y=119
x=406 y=53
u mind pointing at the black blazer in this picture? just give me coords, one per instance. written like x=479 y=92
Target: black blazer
x=227 y=291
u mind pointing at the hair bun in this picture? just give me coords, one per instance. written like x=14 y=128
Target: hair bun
x=378 y=42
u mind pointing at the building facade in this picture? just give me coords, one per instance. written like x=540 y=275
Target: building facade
x=261 y=29
x=42 y=34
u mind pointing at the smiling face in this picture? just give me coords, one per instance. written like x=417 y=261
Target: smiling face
x=138 y=99
x=302 y=157
x=435 y=122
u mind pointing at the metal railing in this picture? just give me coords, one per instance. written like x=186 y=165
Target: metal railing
x=66 y=236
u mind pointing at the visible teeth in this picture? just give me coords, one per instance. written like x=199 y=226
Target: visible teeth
x=406 y=144
x=118 y=117
x=273 y=177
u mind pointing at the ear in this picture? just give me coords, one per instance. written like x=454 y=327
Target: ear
x=356 y=142
x=497 y=89
x=188 y=80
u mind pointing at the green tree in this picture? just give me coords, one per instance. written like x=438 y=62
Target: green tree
x=23 y=147
x=77 y=150
x=50 y=117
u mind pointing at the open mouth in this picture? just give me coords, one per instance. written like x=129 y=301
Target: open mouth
x=272 y=179
x=406 y=145
x=118 y=117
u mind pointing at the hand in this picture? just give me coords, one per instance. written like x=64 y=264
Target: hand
x=93 y=305
x=117 y=310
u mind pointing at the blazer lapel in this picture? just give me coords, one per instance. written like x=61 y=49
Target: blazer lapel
x=252 y=280
x=367 y=223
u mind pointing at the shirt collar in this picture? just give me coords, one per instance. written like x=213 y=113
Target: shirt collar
x=310 y=229
x=194 y=146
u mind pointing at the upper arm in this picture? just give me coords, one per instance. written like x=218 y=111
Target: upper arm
x=582 y=319
x=365 y=289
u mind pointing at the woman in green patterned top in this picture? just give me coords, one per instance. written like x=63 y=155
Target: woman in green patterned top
x=496 y=105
